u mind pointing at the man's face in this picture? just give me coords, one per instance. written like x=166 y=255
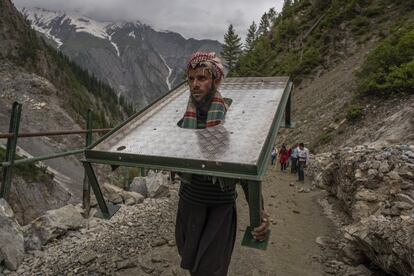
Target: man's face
x=200 y=82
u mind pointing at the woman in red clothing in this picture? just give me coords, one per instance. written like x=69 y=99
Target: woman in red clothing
x=283 y=158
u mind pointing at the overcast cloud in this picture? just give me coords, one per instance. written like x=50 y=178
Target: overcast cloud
x=197 y=19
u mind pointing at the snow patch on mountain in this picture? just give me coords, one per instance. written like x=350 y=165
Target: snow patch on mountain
x=47 y=33
x=84 y=24
x=44 y=21
x=170 y=70
x=41 y=16
x=132 y=34
x=114 y=44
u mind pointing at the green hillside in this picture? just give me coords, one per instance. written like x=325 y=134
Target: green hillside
x=309 y=36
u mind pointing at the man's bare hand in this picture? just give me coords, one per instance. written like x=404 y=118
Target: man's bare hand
x=259 y=233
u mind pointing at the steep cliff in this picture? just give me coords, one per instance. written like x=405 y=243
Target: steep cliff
x=55 y=95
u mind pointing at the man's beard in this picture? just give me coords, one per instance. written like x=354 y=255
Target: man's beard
x=205 y=102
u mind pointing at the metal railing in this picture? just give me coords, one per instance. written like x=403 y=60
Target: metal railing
x=10 y=158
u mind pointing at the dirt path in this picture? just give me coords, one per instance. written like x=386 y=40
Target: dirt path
x=296 y=222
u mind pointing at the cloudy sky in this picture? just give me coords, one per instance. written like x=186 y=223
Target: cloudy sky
x=197 y=19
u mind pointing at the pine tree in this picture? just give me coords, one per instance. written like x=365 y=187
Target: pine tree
x=264 y=25
x=272 y=16
x=287 y=7
x=232 y=48
x=251 y=37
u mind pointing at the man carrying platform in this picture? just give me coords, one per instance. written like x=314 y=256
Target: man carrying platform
x=206 y=218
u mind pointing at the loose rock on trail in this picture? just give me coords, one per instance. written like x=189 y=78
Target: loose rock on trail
x=296 y=221
x=139 y=239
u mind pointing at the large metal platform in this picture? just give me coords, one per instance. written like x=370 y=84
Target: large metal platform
x=237 y=148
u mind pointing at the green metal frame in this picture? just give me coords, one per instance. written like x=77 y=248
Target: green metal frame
x=288 y=111
x=41 y=158
x=174 y=164
x=255 y=204
x=106 y=210
x=222 y=169
x=267 y=149
x=254 y=174
x=10 y=150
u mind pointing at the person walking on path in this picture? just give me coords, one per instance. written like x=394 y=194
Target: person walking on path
x=289 y=154
x=303 y=160
x=283 y=158
x=206 y=223
x=274 y=154
x=294 y=159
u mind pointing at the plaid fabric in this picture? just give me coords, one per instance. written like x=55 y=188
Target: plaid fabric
x=215 y=114
x=200 y=57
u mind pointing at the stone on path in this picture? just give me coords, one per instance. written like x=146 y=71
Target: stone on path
x=157 y=184
x=118 y=195
x=11 y=238
x=139 y=185
x=52 y=225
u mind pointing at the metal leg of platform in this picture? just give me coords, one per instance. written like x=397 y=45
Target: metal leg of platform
x=107 y=210
x=288 y=112
x=142 y=172
x=255 y=207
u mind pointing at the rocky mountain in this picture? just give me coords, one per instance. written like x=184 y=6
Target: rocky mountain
x=374 y=187
x=137 y=61
x=55 y=95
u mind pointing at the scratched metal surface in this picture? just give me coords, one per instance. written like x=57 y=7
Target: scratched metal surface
x=239 y=139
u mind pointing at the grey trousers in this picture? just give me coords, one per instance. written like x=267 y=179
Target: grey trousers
x=205 y=237
x=301 y=173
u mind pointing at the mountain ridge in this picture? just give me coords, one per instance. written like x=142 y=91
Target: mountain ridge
x=133 y=58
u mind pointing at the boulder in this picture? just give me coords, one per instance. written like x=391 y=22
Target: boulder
x=53 y=224
x=113 y=193
x=30 y=200
x=372 y=173
x=132 y=198
x=360 y=209
x=376 y=187
x=118 y=195
x=358 y=173
x=403 y=205
x=366 y=195
x=139 y=185
x=360 y=270
x=373 y=236
x=405 y=198
x=11 y=238
x=394 y=175
x=157 y=184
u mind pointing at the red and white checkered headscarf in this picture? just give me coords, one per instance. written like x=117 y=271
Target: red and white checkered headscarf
x=208 y=59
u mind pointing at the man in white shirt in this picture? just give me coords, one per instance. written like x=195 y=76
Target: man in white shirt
x=303 y=160
x=294 y=159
